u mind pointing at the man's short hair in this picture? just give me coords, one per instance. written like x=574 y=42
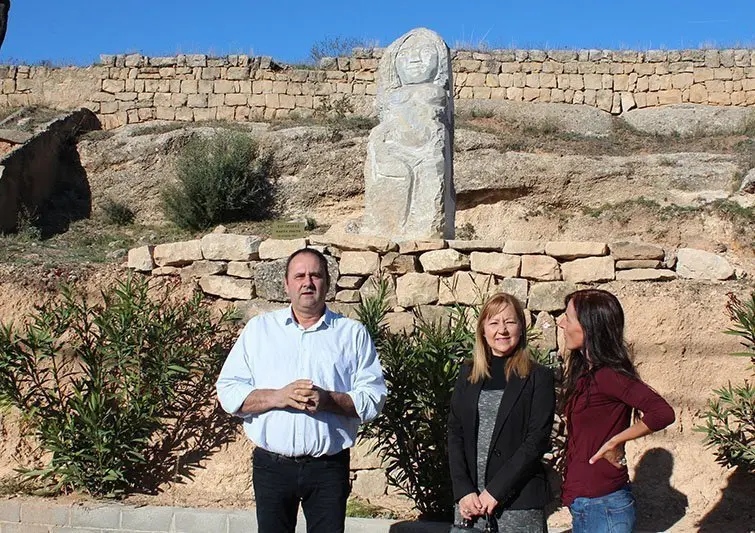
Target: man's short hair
x=320 y=257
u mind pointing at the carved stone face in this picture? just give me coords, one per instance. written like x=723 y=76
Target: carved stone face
x=416 y=61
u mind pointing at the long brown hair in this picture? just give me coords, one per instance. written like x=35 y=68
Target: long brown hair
x=520 y=362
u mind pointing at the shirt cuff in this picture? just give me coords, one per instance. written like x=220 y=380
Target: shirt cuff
x=363 y=406
x=232 y=398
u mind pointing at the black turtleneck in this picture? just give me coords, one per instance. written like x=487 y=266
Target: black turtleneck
x=497 y=379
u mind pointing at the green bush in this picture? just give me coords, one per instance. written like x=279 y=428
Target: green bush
x=117 y=213
x=223 y=178
x=113 y=390
x=729 y=426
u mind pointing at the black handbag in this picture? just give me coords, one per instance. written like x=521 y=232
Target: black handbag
x=467 y=526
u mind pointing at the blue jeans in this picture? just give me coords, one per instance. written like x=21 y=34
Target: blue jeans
x=612 y=513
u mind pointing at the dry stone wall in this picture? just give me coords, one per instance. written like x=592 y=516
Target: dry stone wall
x=126 y=89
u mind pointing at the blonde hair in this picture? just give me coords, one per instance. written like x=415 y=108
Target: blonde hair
x=520 y=362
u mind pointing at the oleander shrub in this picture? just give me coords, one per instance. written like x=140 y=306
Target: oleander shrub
x=113 y=389
x=222 y=178
x=729 y=419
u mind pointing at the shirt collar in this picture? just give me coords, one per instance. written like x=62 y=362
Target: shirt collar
x=325 y=320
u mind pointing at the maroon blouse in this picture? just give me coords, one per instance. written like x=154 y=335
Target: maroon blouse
x=600 y=408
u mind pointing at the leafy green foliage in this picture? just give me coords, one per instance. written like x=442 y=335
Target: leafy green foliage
x=223 y=178
x=729 y=426
x=113 y=389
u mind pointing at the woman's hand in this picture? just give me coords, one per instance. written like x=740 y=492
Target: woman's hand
x=488 y=502
x=470 y=506
x=612 y=452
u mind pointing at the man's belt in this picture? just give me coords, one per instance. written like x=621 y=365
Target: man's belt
x=340 y=456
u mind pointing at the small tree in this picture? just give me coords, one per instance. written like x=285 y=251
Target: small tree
x=111 y=389
x=729 y=426
x=223 y=178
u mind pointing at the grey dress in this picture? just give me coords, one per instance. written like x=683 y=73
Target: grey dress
x=508 y=520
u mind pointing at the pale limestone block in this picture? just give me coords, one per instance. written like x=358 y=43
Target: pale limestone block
x=699 y=264
x=359 y=263
x=177 y=253
x=230 y=247
x=574 y=250
x=166 y=271
x=502 y=265
x=199 y=269
x=241 y=269
x=645 y=274
x=236 y=99
x=237 y=73
x=371 y=286
x=589 y=269
x=113 y=86
x=410 y=247
x=516 y=287
x=197 y=101
x=215 y=100
x=280 y=248
x=225 y=113
x=524 y=247
x=443 y=261
x=416 y=289
x=349 y=296
x=672 y=96
x=184 y=114
x=627 y=101
x=350 y=282
x=468 y=288
x=369 y=484
x=540 y=267
x=227 y=287
x=635 y=250
x=361 y=456
x=626 y=264
x=433 y=314
x=549 y=296
x=396 y=263
x=698 y=94
x=140 y=259
x=545 y=332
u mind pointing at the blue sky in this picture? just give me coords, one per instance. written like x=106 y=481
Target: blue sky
x=77 y=31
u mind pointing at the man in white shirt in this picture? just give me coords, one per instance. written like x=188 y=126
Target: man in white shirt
x=302 y=378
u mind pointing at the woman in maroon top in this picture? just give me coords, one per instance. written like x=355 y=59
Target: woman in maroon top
x=602 y=390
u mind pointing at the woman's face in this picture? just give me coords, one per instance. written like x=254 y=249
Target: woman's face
x=502 y=332
x=574 y=335
x=416 y=61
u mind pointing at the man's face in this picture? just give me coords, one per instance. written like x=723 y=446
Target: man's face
x=306 y=284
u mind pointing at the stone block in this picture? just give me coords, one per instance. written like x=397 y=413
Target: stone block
x=475 y=245
x=621 y=250
x=400 y=322
x=370 y=288
x=351 y=241
x=443 y=261
x=369 y=484
x=230 y=247
x=699 y=264
x=361 y=456
x=549 y=296
x=241 y=269
x=107 y=517
x=645 y=274
x=516 y=287
x=147 y=518
x=203 y=268
x=140 y=259
x=502 y=265
x=574 y=250
x=411 y=247
x=396 y=263
x=228 y=287
x=350 y=282
x=200 y=521
x=589 y=269
x=540 y=267
x=280 y=248
x=177 y=253
x=349 y=296
x=414 y=289
x=625 y=264
x=545 y=332
x=10 y=511
x=166 y=271
x=248 y=309
x=359 y=263
x=468 y=288
x=524 y=247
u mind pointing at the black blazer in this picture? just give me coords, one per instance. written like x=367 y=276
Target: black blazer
x=515 y=473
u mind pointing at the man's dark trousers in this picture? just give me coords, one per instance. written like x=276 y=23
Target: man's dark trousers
x=321 y=484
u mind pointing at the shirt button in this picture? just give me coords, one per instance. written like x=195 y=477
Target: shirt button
x=497 y=452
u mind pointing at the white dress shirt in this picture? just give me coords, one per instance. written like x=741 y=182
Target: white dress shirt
x=273 y=350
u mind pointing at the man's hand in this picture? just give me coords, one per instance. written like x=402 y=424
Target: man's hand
x=470 y=506
x=295 y=395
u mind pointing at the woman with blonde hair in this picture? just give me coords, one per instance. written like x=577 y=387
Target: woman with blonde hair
x=499 y=425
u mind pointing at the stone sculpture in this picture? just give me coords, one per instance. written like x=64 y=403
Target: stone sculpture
x=409 y=192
